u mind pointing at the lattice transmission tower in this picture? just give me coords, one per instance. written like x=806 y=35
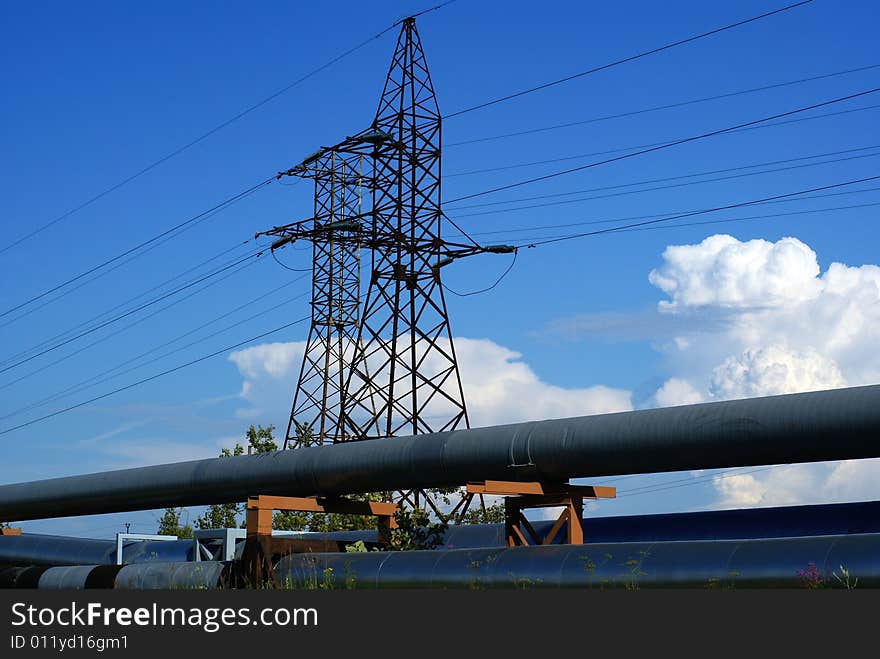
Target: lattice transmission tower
x=405 y=334
x=388 y=367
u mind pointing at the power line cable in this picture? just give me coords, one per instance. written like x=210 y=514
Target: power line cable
x=753 y=217
x=703 y=211
x=730 y=177
x=126 y=303
x=287 y=267
x=566 y=225
x=685 y=140
x=227 y=202
x=182 y=336
x=488 y=288
x=460 y=230
x=104 y=273
x=677 y=177
x=100 y=378
x=152 y=377
x=631 y=58
x=423 y=11
x=126 y=314
x=579 y=156
x=694 y=480
x=125 y=328
x=657 y=108
x=665 y=227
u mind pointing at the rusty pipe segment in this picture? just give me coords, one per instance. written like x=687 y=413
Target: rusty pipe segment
x=825 y=425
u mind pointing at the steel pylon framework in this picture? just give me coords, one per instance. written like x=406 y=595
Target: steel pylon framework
x=405 y=359
x=315 y=417
x=386 y=368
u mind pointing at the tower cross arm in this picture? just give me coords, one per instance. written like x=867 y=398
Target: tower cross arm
x=452 y=251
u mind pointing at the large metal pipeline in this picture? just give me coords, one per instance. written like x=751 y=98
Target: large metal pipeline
x=824 y=425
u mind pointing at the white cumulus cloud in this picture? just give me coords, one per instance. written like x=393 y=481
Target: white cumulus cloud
x=676 y=391
x=763 y=319
x=722 y=271
x=773 y=370
x=499 y=386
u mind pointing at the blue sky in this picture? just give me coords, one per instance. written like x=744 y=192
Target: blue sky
x=95 y=93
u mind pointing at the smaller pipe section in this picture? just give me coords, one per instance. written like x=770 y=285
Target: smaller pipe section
x=67 y=577
x=205 y=575
x=770 y=563
x=57 y=550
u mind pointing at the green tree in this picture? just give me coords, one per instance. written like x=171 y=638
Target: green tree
x=484 y=514
x=303 y=433
x=415 y=530
x=225 y=515
x=260 y=439
x=169 y=524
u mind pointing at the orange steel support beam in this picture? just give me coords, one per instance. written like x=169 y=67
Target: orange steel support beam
x=516 y=487
x=261 y=548
x=521 y=496
x=260 y=507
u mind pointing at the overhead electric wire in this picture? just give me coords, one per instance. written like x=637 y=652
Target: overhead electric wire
x=422 y=12
x=460 y=230
x=210 y=132
x=488 y=288
x=227 y=202
x=127 y=313
x=152 y=377
x=548 y=161
x=754 y=217
x=677 y=177
x=631 y=58
x=127 y=302
x=287 y=267
x=125 y=328
x=703 y=211
x=566 y=225
x=196 y=329
x=685 y=140
x=730 y=177
x=694 y=480
x=100 y=378
x=103 y=273
x=657 y=108
x=730 y=220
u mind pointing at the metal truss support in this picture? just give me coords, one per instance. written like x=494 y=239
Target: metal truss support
x=315 y=417
x=405 y=335
x=523 y=496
